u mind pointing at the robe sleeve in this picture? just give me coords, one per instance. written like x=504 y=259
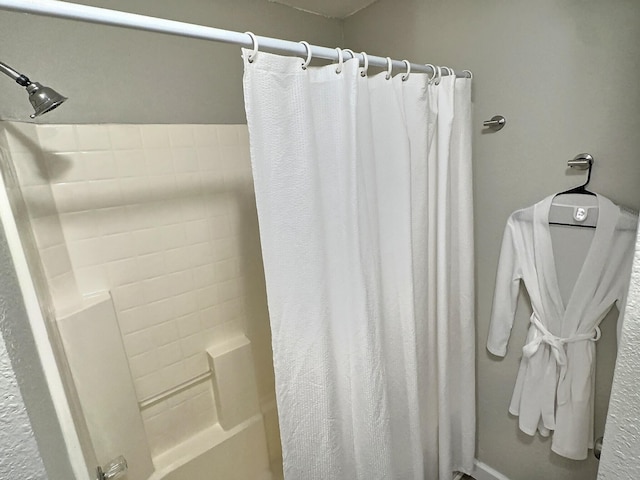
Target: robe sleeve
x=506 y=292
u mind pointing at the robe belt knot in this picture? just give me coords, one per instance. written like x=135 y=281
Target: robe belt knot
x=543 y=335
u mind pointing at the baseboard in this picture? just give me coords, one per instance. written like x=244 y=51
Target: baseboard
x=483 y=471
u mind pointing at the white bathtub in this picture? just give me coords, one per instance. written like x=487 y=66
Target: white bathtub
x=236 y=454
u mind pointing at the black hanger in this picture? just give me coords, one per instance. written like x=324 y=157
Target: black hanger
x=579 y=162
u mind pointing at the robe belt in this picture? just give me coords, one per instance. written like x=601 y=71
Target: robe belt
x=543 y=335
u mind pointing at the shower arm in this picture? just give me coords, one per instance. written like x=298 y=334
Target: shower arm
x=20 y=79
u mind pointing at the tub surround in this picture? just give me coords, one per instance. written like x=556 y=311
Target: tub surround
x=157 y=225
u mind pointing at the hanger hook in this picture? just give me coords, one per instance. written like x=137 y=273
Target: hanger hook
x=405 y=77
x=254 y=40
x=309 y=55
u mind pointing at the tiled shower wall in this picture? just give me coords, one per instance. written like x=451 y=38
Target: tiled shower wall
x=163 y=217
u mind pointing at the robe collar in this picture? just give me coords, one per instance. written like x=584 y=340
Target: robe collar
x=589 y=277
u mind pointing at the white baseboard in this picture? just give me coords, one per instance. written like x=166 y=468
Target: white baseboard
x=485 y=472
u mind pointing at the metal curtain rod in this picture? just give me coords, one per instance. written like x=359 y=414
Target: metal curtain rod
x=103 y=16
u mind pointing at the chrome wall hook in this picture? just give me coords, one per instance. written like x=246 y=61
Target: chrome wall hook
x=496 y=123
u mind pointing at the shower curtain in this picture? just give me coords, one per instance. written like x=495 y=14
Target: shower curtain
x=363 y=191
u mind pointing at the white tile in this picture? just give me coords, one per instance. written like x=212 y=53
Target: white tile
x=185 y=304
x=185 y=159
x=66 y=167
x=21 y=137
x=104 y=194
x=169 y=355
x=92 y=279
x=172 y=236
x=30 y=168
x=161 y=311
x=148 y=241
x=189 y=324
x=181 y=136
x=112 y=220
x=47 y=231
x=175 y=260
x=55 y=261
x=39 y=201
x=192 y=345
x=164 y=333
x=227 y=135
x=71 y=197
x=205 y=135
x=86 y=253
x=93 y=137
x=139 y=342
x=151 y=265
x=118 y=247
x=99 y=165
x=128 y=296
x=130 y=163
x=79 y=225
x=124 y=271
x=198 y=231
x=196 y=365
x=144 y=364
x=155 y=136
x=57 y=138
x=159 y=162
x=208 y=157
x=125 y=137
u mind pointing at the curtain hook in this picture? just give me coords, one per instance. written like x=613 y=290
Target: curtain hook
x=450 y=71
x=254 y=41
x=405 y=77
x=309 y=55
x=365 y=67
x=389 y=68
x=433 y=69
x=468 y=72
x=353 y=54
x=438 y=75
x=340 y=60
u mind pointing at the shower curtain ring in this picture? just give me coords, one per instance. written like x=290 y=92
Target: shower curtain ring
x=309 y=54
x=340 y=60
x=468 y=72
x=365 y=67
x=405 y=77
x=438 y=76
x=353 y=54
x=450 y=71
x=433 y=69
x=254 y=41
x=389 y=68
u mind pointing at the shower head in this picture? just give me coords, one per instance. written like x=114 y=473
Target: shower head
x=43 y=99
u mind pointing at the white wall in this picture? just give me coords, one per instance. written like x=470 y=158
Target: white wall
x=25 y=404
x=114 y=75
x=621 y=450
x=564 y=74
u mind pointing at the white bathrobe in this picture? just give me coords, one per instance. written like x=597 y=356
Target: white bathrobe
x=555 y=384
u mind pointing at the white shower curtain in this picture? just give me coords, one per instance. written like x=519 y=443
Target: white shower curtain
x=363 y=190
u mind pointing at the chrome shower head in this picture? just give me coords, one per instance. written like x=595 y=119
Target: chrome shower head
x=43 y=99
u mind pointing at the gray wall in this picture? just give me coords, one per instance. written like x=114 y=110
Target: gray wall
x=564 y=73
x=114 y=75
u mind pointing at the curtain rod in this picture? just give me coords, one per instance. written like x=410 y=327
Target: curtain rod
x=103 y=16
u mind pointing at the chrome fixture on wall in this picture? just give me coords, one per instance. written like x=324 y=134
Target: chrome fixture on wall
x=43 y=99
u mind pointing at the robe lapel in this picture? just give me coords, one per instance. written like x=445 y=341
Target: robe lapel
x=590 y=274
x=552 y=305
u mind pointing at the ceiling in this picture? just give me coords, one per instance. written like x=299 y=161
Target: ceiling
x=328 y=8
